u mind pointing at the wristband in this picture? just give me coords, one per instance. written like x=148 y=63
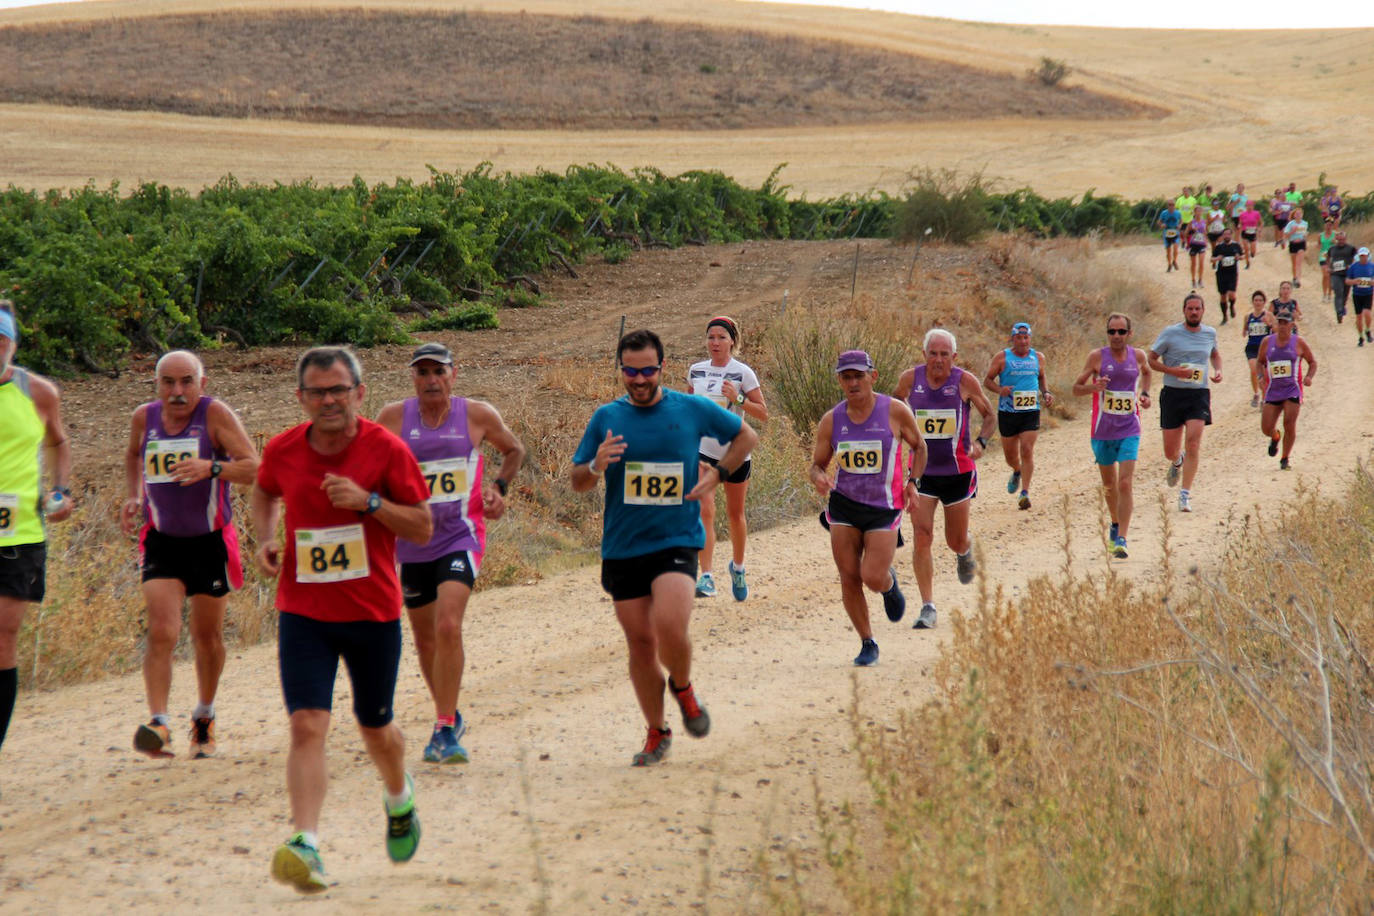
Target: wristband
x=591 y=468
x=981 y=442
x=721 y=472
x=501 y=486
x=216 y=469
x=914 y=481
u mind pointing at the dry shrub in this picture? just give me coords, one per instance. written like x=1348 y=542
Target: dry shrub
x=1096 y=747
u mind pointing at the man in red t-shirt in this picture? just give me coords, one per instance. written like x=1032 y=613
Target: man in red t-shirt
x=350 y=488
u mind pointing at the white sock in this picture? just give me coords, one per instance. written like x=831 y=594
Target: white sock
x=309 y=838
x=735 y=568
x=396 y=801
x=203 y=711
x=161 y=718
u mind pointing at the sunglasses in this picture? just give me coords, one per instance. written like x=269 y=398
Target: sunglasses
x=646 y=372
x=1121 y=331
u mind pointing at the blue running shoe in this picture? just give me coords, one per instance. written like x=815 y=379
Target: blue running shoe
x=1113 y=533
x=738 y=587
x=443 y=745
x=894 y=602
x=926 y=619
x=1014 y=482
x=403 y=828
x=1119 y=548
x=706 y=586
x=868 y=654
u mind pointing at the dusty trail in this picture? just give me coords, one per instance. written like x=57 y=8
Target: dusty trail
x=549 y=809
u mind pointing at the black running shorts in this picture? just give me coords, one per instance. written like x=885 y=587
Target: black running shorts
x=308 y=653
x=740 y=475
x=21 y=571
x=1015 y=422
x=420 y=581
x=633 y=577
x=949 y=489
x=1179 y=405
x=199 y=562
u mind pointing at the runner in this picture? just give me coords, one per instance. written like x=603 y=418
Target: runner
x=1180 y=354
x=733 y=385
x=1256 y=327
x=1292 y=194
x=351 y=488
x=865 y=500
x=34 y=439
x=1197 y=250
x=1118 y=378
x=646 y=444
x=1170 y=221
x=1324 y=242
x=1017 y=377
x=939 y=393
x=1185 y=203
x=1280 y=363
x=1340 y=256
x=1237 y=202
x=1295 y=233
x=1360 y=280
x=1216 y=222
x=185 y=449
x=1279 y=210
x=1249 y=221
x=1332 y=205
x=1285 y=304
x=445 y=434
x=1226 y=255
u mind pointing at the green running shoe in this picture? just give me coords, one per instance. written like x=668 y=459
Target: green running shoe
x=299 y=865
x=403 y=828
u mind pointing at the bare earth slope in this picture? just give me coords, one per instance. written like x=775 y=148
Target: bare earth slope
x=1254 y=107
x=549 y=811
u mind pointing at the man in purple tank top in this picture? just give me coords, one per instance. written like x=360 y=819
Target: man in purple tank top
x=864 y=434
x=445 y=434
x=1118 y=378
x=1282 y=379
x=939 y=394
x=184 y=451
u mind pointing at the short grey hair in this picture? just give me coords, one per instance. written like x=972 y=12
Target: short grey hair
x=939 y=332
x=323 y=358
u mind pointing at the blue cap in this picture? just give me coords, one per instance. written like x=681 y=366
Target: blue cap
x=8 y=327
x=854 y=359
x=1019 y=327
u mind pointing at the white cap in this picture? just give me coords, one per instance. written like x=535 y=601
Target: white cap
x=1362 y=253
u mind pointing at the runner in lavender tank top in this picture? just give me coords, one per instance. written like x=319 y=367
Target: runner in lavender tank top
x=1118 y=378
x=184 y=451
x=940 y=394
x=864 y=435
x=445 y=433
x=1280 y=363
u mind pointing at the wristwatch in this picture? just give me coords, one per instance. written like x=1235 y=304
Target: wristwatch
x=216 y=469
x=739 y=399
x=374 y=502
x=501 y=485
x=981 y=441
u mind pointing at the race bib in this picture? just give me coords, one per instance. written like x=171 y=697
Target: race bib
x=860 y=457
x=937 y=424
x=1195 y=373
x=653 y=483
x=9 y=513
x=1338 y=265
x=1118 y=403
x=447 y=479
x=334 y=554
x=1280 y=368
x=1025 y=400
x=1256 y=329
x=1171 y=233
x=1364 y=281
x=162 y=455
x=1228 y=261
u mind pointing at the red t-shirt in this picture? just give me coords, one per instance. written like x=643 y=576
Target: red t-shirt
x=346 y=568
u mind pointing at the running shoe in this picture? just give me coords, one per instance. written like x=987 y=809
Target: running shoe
x=966 y=566
x=1119 y=548
x=1113 y=533
x=1359 y=341
x=738 y=587
x=154 y=740
x=1013 y=482
x=1024 y=501
x=1175 y=468
x=695 y=718
x=202 y=738
x=926 y=619
x=868 y=654
x=1369 y=335
x=706 y=586
x=894 y=602
x=1283 y=464
x=1185 y=501
x=1233 y=309
x=299 y=865
x=1254 y=400
x=1274 y=443
x=443 y=745
x=1223 y=314
x=402 y=827
x=1297 y=284
x=655 y=748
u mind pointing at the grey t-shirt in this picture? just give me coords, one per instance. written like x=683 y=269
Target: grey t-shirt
x=1178 y=346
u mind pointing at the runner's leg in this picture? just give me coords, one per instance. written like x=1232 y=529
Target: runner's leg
x=847 y=545
x=923 y=539
x=207 y=638
x=164 y=598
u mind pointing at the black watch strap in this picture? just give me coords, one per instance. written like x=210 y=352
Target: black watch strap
x=501 y=486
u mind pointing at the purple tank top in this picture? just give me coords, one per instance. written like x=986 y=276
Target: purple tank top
x=1116 y=411
x=453 y=470
x=942 y=416
x=180 y=511
x=868 y=455
x=1285 y=370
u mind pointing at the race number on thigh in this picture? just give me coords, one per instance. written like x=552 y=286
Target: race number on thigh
x=653 y=483
x=937 y=423
x=447 y=479
x=860 y=457
x=163 y=455
x=1120 y=403
x=9 y=513
x=331 y=554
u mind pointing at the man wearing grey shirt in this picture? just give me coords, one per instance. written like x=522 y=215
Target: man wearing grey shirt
x=1181 y=355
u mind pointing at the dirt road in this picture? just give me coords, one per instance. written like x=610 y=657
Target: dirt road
x=549 y=812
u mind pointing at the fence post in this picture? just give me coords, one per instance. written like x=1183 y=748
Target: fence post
x=854 y=280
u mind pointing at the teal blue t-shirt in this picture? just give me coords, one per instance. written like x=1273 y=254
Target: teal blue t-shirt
x=645 y=506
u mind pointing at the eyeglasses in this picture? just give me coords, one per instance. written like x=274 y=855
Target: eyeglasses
x=646 y=372
x=337 y=392
x=1121 y=331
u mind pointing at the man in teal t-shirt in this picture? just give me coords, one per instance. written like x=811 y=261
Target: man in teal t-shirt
x=645 y=445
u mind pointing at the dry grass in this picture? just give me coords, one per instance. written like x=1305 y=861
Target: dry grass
x=462 y=71
x=1096 y=748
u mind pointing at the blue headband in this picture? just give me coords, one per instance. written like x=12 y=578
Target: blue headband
x=7 y=326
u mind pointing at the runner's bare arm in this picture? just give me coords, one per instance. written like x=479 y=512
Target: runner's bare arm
x=903 y=420
x=57 y=450
x=266 y=509
x=823 y=452
x=999 y=362
x=1044 y=388
x=1086 y=383
x=414 y=523
x=485 y=425
x=1216 y=364
x=1146 y=377
x=745 y=441
x=607 y=452
x=391 y=415
x=753 y=405
x=974 y=394
x=1305 y=352
x=904 y=384
x=228 y=435
x=129 y=516
x=1157 y=364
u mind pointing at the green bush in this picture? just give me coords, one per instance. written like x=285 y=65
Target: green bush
x=944 y=204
